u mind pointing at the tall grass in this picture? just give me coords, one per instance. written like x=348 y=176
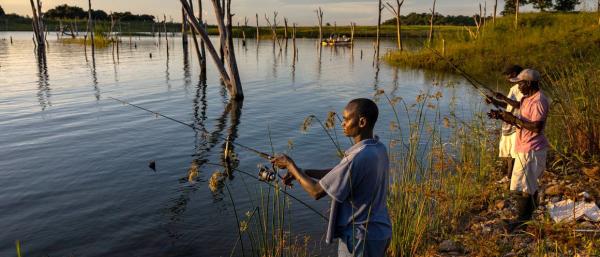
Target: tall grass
x=435 y=178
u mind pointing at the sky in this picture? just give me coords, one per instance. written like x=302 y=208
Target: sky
x=301 y=12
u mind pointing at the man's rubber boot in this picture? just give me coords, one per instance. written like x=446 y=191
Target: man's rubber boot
x=526 y=204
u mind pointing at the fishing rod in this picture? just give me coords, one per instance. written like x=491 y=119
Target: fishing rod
x=271 y=185
x=197 y=129
x=474 y=82
x=261 y=154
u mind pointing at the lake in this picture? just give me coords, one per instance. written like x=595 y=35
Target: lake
x=74 y=163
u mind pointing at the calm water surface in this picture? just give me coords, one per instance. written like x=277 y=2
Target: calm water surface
x=74 y=163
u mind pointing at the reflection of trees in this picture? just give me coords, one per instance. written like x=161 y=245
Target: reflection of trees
x=167 y=74
x=95 y=80
x=319 y=52
x=204 y=143
x=43 y=80
x=187 y=79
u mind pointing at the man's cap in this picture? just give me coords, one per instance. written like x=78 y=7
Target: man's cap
x=526 y=75
x=516 y=69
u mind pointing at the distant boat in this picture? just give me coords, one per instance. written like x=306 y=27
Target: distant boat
x=337 y=41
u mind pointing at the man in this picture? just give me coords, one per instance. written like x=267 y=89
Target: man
x=509 y=135
x=357 y=186
x=531 y=145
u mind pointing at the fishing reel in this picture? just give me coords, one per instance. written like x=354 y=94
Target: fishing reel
x=494 y=114
x=265 y=174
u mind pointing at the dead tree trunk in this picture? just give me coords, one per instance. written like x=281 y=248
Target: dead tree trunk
x=235 y=87
x=320 y=19
x=516 y=14
x=231 y=60
x=38 y=24
x=194 y=38
x=202 y=48
x=285 y=31
x=598 y=12
x=273 y=27
x=257 y=33
x=495 y=11
x=378 y=41
x=244 y=31
x=396 y=13
x=430 y=38
x=184 y=29
x=91 y=28
x=352 y=26
x=294 y=43
x=166 y=33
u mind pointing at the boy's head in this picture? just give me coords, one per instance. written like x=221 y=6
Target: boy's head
x=512 y=71
x=360 y=115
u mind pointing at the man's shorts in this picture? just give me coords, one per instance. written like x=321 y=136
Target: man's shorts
x=507 y=145
x=526 y=171
x=362 y=248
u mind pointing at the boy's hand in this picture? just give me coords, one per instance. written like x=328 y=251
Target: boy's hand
x=282 y=161
x=288 y=179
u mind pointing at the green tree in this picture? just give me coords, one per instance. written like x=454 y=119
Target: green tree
x=66 y=12
x=541 y=5
x=2 y=11
x=566 y=5
x=509 y=6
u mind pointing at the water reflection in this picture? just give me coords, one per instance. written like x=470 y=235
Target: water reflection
x=43 y=80
x=167 y=74
x=95 y=79
x=187 y=80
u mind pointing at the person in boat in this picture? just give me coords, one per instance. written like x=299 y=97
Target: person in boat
x=357 y=186
x=531 y=145
x=509 y=135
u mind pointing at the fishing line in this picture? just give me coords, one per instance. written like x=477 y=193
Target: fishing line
x=261 y=154
x=198 y=129
x=474 y=82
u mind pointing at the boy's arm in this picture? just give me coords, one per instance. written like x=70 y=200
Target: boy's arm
x=309 y=185
x=317 y=174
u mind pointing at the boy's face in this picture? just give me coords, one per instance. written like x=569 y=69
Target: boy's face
x=511 y=75
x=352 y=124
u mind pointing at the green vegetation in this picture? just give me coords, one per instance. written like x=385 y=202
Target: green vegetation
x=542 y=5
x=424 y=19
x=566 y=49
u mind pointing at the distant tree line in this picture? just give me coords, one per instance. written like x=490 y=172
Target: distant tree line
x=73 y=12
x=423 y=19
x=542 y=5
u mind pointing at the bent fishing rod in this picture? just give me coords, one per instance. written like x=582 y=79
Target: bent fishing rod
x=474 y=82
x=197 y=129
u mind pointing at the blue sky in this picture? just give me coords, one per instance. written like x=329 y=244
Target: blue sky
x=299 y=11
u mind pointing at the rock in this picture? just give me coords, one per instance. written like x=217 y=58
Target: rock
x=593 y=172
x=555 y=199
x=500 y=204
x=449 y=246
x=554 y=190
x=586 y=225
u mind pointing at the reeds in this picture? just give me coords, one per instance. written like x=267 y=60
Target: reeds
x=434 y=177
